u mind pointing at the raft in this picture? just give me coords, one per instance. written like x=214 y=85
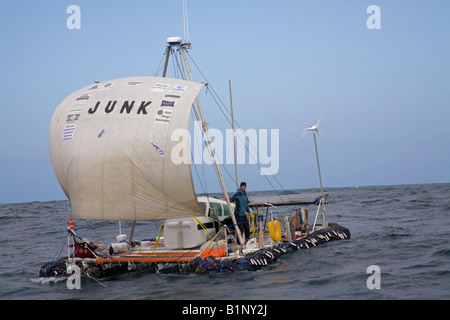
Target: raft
x=194 y=262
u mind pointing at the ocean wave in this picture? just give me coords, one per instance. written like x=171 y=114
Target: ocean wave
x=48 y=280
x=442 y=252
x=389 y=228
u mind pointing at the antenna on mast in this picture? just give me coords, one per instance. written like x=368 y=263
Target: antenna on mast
x=177 y=41
x=185 y=22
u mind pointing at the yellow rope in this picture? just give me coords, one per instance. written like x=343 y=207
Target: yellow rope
x=159 y=237
x=201 y=225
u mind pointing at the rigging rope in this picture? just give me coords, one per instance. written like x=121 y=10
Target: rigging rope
x=160 y=66
x=243 y=142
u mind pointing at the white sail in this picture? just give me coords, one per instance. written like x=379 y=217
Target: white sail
x=110 y=147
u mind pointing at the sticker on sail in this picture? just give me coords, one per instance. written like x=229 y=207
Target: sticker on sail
x=178 y=89
x=159 y=87
x=69 y=132
x=167 y=103
x=99 y=134
x=164 y=114
x=174 y=96
x=160 y=151
x=76 y=108
x=134 y=83
x=83 y=97
x=71 y=118
x=99 y=86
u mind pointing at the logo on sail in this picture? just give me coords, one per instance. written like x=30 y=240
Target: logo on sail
x=167 y=103
x=69 y=132
x=164 y=114
x=71 y=118
x=160 y=151
x=126 y=107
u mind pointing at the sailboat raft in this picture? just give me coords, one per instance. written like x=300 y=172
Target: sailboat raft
x=190 y=262
x=112 y=146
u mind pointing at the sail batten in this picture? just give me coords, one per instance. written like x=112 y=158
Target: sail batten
x=110 y=147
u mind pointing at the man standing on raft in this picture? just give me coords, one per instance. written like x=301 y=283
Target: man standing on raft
x=242 y=210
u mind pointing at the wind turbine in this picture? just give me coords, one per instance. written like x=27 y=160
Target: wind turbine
x=315 y=129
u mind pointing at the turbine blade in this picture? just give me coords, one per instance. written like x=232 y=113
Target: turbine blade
x=319 y=120
x=304 y=132
x=319 y=134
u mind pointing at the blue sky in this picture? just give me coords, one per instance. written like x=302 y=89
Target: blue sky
x=384 y=93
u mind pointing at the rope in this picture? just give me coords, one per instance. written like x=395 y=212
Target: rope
x=91 y=277
x=59 y=252
x=160 y=63
x=250 y=154
x=233 y=225
x=201 y=225
x=159 y=237
x=179 y=68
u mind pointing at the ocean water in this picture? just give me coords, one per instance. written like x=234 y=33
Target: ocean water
x=403 y=230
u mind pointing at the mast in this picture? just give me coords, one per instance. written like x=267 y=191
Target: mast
x=209 y=143
x=234 y=143
x=169 y=48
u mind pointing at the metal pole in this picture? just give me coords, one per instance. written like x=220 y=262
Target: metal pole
x=320 y=179
x=213 y=152
x=68 y=246
x=318 y=166
x=315 y=219
x=169 y=48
